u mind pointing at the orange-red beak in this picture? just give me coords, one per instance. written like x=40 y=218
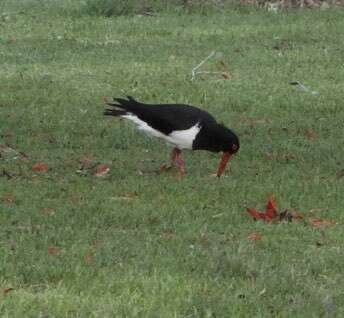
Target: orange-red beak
x=222 y=166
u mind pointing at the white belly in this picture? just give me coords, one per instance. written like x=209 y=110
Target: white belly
x=182 y=139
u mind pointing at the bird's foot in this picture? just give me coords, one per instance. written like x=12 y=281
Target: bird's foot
x=177 y=162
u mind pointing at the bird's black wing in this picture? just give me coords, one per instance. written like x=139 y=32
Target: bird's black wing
x=163 y=117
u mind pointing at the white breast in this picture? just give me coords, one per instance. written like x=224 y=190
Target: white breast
x=182 y=139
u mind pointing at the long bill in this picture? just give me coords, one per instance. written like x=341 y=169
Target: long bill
x=222 y=165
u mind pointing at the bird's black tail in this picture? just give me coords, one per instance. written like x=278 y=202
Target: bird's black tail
x=120 y=106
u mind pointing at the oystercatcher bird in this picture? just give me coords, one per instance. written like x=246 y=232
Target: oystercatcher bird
x=182 y=126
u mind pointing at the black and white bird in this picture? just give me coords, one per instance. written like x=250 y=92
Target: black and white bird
x=182 y=126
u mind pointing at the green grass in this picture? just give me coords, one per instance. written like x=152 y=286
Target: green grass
x=139 y=244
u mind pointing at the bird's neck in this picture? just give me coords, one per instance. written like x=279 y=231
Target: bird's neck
x=207 y=139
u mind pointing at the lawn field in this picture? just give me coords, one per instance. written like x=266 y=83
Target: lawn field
x=136 y=243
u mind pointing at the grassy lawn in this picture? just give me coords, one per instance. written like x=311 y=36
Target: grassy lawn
x=138 y=244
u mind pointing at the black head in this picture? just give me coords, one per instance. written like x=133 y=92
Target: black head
x=215 y=137
x=231 y=143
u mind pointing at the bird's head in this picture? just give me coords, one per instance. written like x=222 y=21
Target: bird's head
x=230 y=145
x=217 y=138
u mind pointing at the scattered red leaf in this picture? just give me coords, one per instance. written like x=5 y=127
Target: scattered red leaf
x=88 y=258
x=167 y=234
x=53 y=250
x=254 y=237
x=309 y=133
x=40 y=167
x=271 y=213
x=318 y=223
x=270 y=208
x=101 y=170
x=255 y=214
x=7 y=290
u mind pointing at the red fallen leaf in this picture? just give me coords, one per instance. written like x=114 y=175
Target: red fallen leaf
x=268 y=215
x=88 y=258
x=309 y=133
x=255 y=214
x=7 y=290
x=270 y=209
x=318 y=223
x=271 y=204
x=101 y=170
x=53 y=250
x=254 y=237
x=271 y=213
x=40 y=167
x=167 y=234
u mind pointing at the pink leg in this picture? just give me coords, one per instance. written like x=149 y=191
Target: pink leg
x=178 y=159
x=174 y=154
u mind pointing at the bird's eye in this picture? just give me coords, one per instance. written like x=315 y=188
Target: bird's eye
x=234 y=146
